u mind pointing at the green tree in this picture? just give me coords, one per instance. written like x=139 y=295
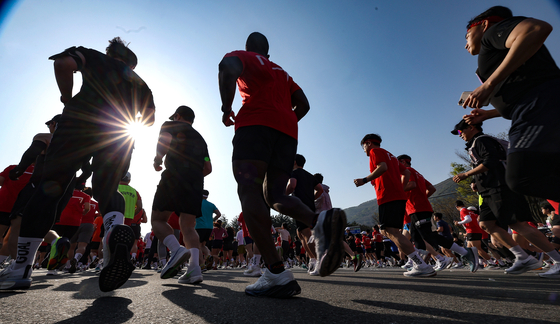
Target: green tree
x=464 y=191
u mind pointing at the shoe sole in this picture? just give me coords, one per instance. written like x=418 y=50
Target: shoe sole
x=118 y=270
x=431 y=274
x=334 y=254
x=59 y=259
x=535 y=267
x=16 y=284
x=288 y=290
x=192 y=280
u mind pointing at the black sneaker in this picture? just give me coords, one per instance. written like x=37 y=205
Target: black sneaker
x=72 y=268
x=93 y=263
x=358 y=263
x=118 y=269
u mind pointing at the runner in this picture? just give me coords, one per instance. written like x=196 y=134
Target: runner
x=501 y=207
x=264 y=148
x=180 y=191
x=418 y=190
x=92 y=125
x=385 y=176
x=204 y=226
x=521 y=80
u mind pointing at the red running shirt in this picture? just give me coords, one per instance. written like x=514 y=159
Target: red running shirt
x=472 y=226
x=10 y=189
x=267 y=91
x=388 y=187
x=417 y=201
x=72 y=214
x=93 y=211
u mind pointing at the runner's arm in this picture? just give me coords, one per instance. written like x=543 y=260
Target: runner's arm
x=523 y=42
x=292 y=183
x=230 y=68
x=161 y=150
x=300 y=104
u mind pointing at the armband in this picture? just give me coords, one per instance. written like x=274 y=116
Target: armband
x=365 y=180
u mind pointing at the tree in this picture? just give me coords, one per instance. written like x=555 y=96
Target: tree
x=464 y=191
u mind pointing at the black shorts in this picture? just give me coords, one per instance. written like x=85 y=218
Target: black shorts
x=94 y=245
x=555 y=221
x=217 y=244
x=474 y=237
x=136 y=230
x=534 y=120
x=248 y=240
x=44 y=248
x=204 y=234
x=228 y=246
x=505 y=207
x=265 y=144
x=65 y=230
x=301 y=226
x=391 y=214
x=5 y=219
x=179 y=195
x=369 y=250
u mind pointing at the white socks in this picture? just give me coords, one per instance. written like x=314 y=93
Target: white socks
x=27 y=248
x=111 y=219
x=459 y=249
x=194 y=261
x=172 y=243
x=519 y=253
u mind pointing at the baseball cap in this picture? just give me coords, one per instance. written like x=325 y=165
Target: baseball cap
x=54 y=119
x=364 y=232
x=185 y=112
x=460 y=126
x=126 y=177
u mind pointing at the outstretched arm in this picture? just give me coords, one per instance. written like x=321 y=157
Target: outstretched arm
x=300 y=104
x=161 y=150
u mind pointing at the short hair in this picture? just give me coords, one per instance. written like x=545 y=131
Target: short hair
x=371 y=137
x=459 y=203
x=438 y=215
x=284 y=225
x=498 y=11
x=300 y=160
x=318 y=177
x=119 y=50
x=405 y=157
x=205 y=192
x=547 y=205
x=257 y=42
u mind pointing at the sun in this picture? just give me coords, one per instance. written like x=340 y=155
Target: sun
x=136 y=128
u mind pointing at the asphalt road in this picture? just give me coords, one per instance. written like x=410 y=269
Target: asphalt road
x=367 y=296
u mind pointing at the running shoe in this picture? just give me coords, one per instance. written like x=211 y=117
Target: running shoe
x=73 y=264
x=471 y=258
x=191 y=277
x=116 y=248
x=553 y=272
x=59 y=253
x=329 y=235
x=282 y=285
x=253 y=271
x=11 y=279
x=491 y=266
x=441 y=265
x=421 y=271
x=408 y=265
x=521 y=266
x=93 y=263
x=312 y=265
x=357 y=263
x=458 y=265
x=177 y=258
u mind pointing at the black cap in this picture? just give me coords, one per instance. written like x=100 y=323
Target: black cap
x=54 y=119
x=462 y=125
x=186 y=112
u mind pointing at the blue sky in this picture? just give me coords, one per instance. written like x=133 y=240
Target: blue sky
x=386 y=67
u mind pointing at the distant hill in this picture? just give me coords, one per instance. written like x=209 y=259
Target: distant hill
x=363 y=213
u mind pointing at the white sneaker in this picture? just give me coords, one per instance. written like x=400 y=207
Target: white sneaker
x=457 y=265
x=408 y=265
x=441 y=265
x=176 y=259
x=191 y=277
x=11 y=279
x=421 y=271
x=554 y=272
x=253 y=271
x=521 y=266
x=312 y=265
x=282 y=285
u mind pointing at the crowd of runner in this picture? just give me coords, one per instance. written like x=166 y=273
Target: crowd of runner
x=51 y=220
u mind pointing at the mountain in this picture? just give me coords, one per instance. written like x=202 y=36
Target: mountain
x=366 y=213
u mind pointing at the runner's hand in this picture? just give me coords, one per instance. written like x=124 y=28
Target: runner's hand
x=157 y=163
x=477 y=116
x=228 y=118
x=15 y=173
x=479 y=96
